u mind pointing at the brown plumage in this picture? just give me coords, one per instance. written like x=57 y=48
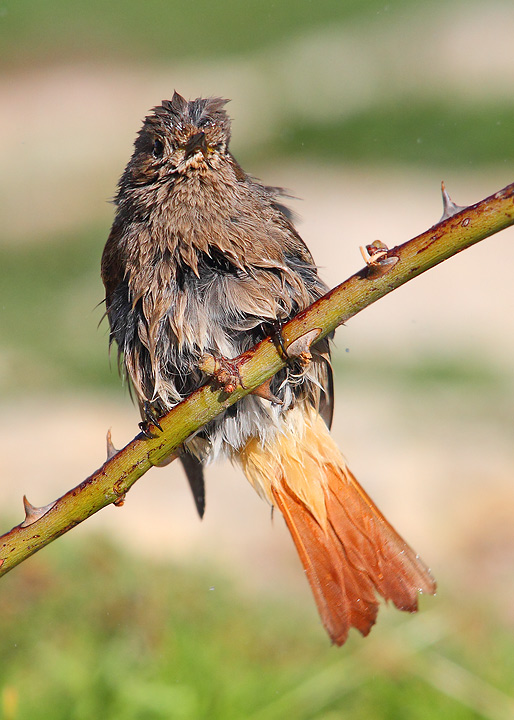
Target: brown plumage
x=202 y=259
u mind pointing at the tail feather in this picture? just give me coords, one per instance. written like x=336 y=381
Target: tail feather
x=374 y=546
x=348 y=549
x=344 y=599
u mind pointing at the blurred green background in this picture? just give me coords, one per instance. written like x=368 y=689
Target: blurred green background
x=360 y=109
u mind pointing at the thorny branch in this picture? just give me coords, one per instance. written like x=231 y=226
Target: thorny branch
x=386 y=269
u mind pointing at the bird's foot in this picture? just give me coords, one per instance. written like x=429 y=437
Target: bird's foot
x=297 y=353
x=277 y=337
x=150 y=419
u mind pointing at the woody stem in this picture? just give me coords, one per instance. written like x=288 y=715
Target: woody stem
x=117 y=475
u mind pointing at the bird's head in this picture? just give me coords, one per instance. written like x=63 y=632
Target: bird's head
x=178 y=137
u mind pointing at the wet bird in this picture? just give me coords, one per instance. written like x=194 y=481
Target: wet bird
x=203 y=259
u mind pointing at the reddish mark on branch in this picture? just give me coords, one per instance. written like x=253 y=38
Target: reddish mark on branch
x=118 y=487
x=433 y=239
x=465 y=222
x=224 y=373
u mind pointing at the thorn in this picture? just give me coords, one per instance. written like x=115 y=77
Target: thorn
x=264 y=391
x=449 y=207
x=111 y=450
x=377 y=258
x=34 y=513
x=300 y=348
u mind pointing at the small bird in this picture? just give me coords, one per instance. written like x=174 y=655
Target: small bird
x=202 y=259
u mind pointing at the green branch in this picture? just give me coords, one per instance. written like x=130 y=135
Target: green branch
x=386 y=270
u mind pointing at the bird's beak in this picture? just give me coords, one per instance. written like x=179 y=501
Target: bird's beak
x=196 y=142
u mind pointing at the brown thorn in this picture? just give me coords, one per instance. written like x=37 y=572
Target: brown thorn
x=300 y=348
x=264 y=391
x=32 y=514
x=449 y=207
x=111 y=450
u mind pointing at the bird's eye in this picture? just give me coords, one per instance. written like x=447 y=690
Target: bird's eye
x=158 y=148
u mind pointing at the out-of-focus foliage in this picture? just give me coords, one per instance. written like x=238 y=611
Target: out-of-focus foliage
x=161 y=30
x=89 y=632
x=430 y=134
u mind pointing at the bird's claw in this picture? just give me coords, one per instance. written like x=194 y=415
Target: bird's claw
x=277 y=337
x=150 y=418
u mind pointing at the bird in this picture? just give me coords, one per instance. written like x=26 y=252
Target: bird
x=204 y=260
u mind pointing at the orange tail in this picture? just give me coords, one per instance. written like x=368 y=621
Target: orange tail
x=347 y=547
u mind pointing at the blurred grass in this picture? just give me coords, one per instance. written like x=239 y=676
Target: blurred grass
x=49 y=320
x=429 y=133
x=88 y=631
x=161 y=31
x=454 y=371
x=423 y=126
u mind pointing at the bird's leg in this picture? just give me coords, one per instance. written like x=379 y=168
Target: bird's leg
x=277 y=337
x=297 y=352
